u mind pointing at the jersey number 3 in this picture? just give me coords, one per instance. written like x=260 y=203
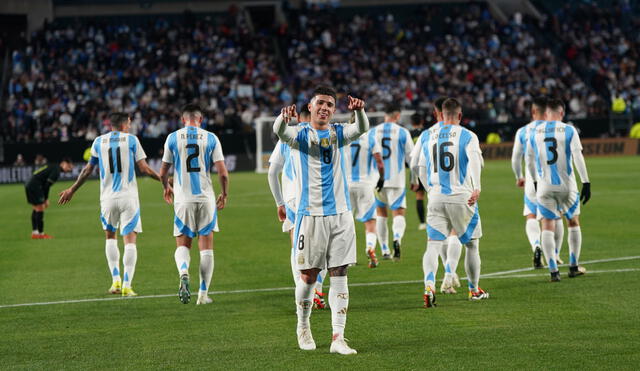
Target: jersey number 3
x=194 y=155
x=553 y=148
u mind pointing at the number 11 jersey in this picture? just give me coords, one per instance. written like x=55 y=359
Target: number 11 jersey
x=192 y=151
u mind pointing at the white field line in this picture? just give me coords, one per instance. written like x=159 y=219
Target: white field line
x=501 y=274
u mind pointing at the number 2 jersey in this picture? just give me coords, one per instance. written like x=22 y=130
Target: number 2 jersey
x=449 y=163
x=116 y=154
x=396 y=146
x=192 y=151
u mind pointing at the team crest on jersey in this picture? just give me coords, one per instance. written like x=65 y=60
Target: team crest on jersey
x=324 y=142
x=300 y=259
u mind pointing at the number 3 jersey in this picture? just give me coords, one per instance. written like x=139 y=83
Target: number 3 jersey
x=449 y=160
x=192 y=151
x=116 y=154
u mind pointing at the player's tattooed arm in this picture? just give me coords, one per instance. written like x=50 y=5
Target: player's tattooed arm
x=223 y=177
x=67 y=194
x=164 y=178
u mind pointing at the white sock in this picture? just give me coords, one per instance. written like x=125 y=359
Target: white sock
x=575 y=244
x=472 y=264
x=113 y=258
x=454 y=249
x=183 y=259
x=533 y=233
x=294 y=269
x=442 y=252
x=206 y=271
x=399 y=225
x=559 y=235
x=339 y=303
x=129 y=260
x=430 y=264
x=383 y=233
x=371 y=239
x=304 y=301
x=549 y=249
x=320 y=279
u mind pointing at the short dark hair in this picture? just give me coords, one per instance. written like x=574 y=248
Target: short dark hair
x=191 y=109
x=450 y=106
x=392 y=108
x=304 y=110
x=117 y=119
x=325 y=90
x=540 y=102
x=437 y=104
x=416 y=119
x=66 y=159
x=555 y=104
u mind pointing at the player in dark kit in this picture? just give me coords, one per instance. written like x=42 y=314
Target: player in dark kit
x=38 y=193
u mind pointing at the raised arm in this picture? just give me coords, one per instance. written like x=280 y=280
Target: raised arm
x=223 y=177
x=353 y=132
x=286 y=133
x=67 y=194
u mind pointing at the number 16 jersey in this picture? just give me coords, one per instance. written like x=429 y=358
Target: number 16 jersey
x=192 y=151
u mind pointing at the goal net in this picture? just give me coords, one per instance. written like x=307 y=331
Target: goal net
x=266 y=140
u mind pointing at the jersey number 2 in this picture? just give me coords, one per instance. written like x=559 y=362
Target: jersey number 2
x=194 y=155
x=442 y=154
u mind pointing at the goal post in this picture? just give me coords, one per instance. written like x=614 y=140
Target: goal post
x=266 y=140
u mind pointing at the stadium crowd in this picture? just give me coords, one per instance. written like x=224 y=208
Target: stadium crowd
x=69 y=77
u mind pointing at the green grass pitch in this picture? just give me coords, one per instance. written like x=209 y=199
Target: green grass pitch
x=591 y=322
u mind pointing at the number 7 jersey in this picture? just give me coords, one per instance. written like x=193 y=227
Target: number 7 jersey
x=192 y=151
x=116 y=154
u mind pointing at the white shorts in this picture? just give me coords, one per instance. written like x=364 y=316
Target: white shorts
x=363 y=202
x=289 y=221
x=555 y=204
x=393 y=198
x=530 y=199
x=123 y=213
x=324 y=241
x=443 y=217
x=195 y=218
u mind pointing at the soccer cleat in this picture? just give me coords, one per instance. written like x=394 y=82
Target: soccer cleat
x=128 y=292
x=44 y=236
x=373 y=261
x=429 y=298
x=537 y=258
x=456 y=280
x=555 y=276
x=35 y=236
x=305 y=339
x=339 y=345
x=559 y=261
x=575 y=271
x=318 y=300
x=115 y=288
x=183 y=292
x=204 y=299
x=386 y=256
x=396 y=250
x=447 y=286
x=479 y=294
x=422 y=227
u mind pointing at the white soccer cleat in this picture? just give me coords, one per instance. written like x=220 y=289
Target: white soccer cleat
x=340 y=346
x=204 y=299
x=422 y=227
x=456 y=280
x=447 y=286
x=305 y=339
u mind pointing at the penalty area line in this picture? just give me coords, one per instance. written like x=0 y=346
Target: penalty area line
x=501 y=274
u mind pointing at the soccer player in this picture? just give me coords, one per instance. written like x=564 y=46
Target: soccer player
x=192 y=151
x=532 y=226
x=396 y=145
x=324 y=228
x=115 y=153
x=285 y=197
x=37 y=189
x=554 y=146
x=366 y=172
x=417 y=127
x=449 y=164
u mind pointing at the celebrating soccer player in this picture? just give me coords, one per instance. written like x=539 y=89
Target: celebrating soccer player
x=324 y=233
x=449 y=165
x=115 y=153
x=553 y=147
x=192 y=150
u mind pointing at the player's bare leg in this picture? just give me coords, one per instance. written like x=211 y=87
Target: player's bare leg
x=339 y=303
x=532 y=228
x=304 y=301
x=371 y=238
x=382 y=230
x=183 y=259
x=113 y=260
x=205 y=245
x=129 y=260
x=549 y=248
x=575 y=245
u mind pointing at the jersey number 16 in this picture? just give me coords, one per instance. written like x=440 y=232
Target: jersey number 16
x=446 y=157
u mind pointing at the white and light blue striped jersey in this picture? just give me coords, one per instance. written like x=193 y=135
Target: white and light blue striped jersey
x=419 y=142
x=192 y=151
x=320 y=165
x=116 y=154
x=282 y=155
x=551 y=147
x=446 y=160
x=520 y=144
x=396 y=147
x=361 y=163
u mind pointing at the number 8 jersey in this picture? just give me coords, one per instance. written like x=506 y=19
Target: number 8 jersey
x=116 y=154
x=449 y=161
x=192 y=151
